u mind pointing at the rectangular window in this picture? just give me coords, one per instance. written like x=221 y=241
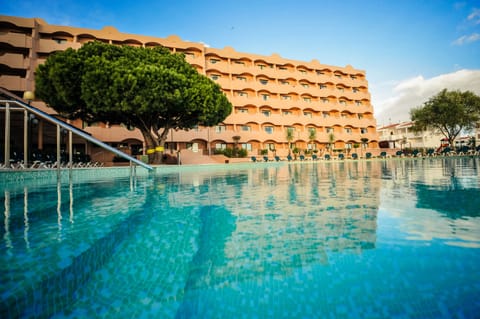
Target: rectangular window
x=287 y=112
x=348 y=130
x=329 y=130
x=271 y=146
x=320 y=73
x=353 y=77
x=342 y=102
x=282 y=68
x=59 y=40
x=242 y=111
x=241 y=78
x=213 y=61
x=307 y=99
x=363 y=130
x=360 y=116
x=338 y=76
x=220 y=128
x=246 y=128
x=323 y=86
x=220 y=146
x=325 y=114
x=266 y=112
x=303 y=71
x=242 y=94
x=261 y=66
x=306 y=86
x=286 y=97
x=324 y=100
x=282 y=82
x=358 y=103
x=265 y=97
x=307 y=114
x=264 y=82
x=214 y=77
x=268 y=129
x=355 y=90
x=246 y=146
x=239 y=62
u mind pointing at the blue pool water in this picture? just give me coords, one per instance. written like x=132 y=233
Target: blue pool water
x=366 y=239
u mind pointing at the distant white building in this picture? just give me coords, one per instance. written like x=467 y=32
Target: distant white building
x=401 y=135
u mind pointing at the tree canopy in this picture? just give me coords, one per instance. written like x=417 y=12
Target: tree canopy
x=150 y=89
x=449 y=112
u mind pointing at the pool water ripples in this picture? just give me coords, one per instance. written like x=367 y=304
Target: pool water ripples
x=363 y=239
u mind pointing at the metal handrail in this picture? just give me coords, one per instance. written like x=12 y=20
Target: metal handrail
x=76 y=131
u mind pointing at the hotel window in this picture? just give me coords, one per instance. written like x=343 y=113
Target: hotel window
x=324 y=100
x=214 y=77
x=189 y=54
x=343 y=115
x=338 y=76
x=246 y=146
x=353 y=77
x=287 y=112
x=264 y=82
x=355 y=90
x=348 y=130
x=261 y=66
x=282 y=82
x=322 y=86
x=307 y=114
x=266 y=112
x=246 y=128
x=342 y=102
x=325 y=114
x=213 y=61
x=241 y=93
x=302 y=71
x=240 y=62
x=307 y=99
x=348 y=146
x=363 y=130
x=286 y=97
x=360 y=116
x=320 y=73
x=305 y=85
x=242 y=110
x=241 y=78
x=312 y=130
x=220 y=128
x=220 y=146
x=358 y=103
x=329 y=130
x=265 y=97
x=340 y=89
x=60 y=40
x=268 y=129
x=282 y=68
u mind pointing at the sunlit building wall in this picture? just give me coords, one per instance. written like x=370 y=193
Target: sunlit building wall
x=327 y=107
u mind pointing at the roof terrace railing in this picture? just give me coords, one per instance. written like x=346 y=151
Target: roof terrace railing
x=16 y=102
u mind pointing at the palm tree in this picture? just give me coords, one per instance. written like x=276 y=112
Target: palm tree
x=364 y=143
x=235 y=138
x=312 y=136
x=331 y=142
x=290 y=137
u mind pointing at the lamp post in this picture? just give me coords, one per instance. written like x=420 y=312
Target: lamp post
x=29 y=97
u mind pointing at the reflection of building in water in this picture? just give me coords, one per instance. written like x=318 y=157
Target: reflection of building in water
x=288 y=217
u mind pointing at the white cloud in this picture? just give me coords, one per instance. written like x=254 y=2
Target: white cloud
x=474 y=16
x=392 y=104
x=467 y=39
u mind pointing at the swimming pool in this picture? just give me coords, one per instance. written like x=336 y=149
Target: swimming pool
x=354 y=239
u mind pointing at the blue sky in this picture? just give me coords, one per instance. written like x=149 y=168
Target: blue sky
x=410 y=49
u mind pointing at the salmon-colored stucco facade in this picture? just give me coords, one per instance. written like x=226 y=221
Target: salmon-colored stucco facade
x=327 y=106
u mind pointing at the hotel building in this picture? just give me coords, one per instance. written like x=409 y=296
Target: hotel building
x=327 y=107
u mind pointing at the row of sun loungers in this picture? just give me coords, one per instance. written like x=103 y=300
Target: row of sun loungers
x=48 y=161
x=368 y=155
